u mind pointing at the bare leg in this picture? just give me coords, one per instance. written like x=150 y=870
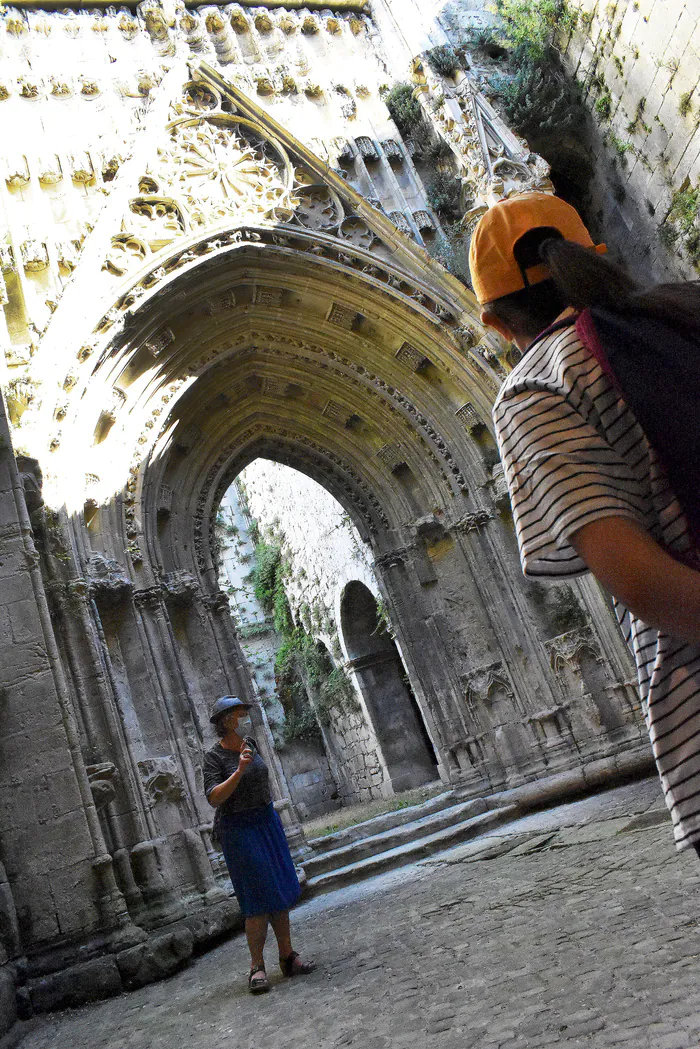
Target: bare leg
x=256 y=934
x=280 y=926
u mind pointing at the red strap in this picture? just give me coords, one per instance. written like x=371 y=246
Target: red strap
x=586 y=331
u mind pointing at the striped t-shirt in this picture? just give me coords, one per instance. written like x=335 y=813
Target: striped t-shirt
x=574 y=453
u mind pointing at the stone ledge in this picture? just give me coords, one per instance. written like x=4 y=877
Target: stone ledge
x=163 y=953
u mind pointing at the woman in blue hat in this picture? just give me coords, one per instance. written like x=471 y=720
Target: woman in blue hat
x=237 y=784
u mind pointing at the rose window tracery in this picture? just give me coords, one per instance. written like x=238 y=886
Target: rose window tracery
x=223 y=169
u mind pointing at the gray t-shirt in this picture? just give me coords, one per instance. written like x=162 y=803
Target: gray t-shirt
x=253 y=790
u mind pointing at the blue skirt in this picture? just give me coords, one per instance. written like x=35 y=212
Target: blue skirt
x=259 y=862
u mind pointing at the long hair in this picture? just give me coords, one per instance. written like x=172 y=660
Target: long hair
x=580 y=278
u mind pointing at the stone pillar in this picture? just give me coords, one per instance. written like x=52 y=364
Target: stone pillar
x=53 y=846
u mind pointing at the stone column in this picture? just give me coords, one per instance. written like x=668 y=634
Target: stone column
x=54 y=849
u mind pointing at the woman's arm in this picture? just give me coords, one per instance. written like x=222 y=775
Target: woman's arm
x=658 y=589
x=221 y=793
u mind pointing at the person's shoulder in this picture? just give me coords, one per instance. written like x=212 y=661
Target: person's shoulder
x=545 y=363
x=214 y=754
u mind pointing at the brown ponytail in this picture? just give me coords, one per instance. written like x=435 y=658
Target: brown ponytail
x=581 y=279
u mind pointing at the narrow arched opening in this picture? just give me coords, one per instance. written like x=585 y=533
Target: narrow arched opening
x=407 y=751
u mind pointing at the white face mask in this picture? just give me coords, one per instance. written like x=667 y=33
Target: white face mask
x=244 y=725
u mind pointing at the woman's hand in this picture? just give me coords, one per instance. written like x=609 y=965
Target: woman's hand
x=246 y=757
x=223 y=792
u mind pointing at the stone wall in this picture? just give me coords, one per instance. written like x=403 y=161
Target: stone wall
x=324 y=552
x=639 y=64
x=312 y=787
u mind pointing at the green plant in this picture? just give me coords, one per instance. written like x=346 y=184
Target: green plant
x=383 y=621
x=531 y=25
x=302 y=726
x=603 y=107
x=442 y=60
x=685 y=103
x=621 y=147
x=539 y=98
x=681 y=223
x=443 y=194
x=405 y=110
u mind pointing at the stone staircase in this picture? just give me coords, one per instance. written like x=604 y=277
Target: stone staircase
x=395 y=839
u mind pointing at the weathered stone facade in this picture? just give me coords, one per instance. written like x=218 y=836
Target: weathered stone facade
x=212 y=244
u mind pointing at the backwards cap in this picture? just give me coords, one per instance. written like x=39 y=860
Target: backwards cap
x=494 y=270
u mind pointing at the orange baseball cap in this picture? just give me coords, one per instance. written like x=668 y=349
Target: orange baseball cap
x=494 y=270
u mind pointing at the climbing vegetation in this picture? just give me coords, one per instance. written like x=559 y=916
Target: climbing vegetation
x=681 y=223
x=531 y=25
x=405 y=110
x=443 y=60
x=532 y=87
x=308 y=685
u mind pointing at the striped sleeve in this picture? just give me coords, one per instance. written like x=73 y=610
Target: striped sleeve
x=562 y=474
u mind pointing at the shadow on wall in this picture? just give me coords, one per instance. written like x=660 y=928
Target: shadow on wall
x=392 y=707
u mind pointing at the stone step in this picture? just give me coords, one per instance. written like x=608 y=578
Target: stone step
x=385 y=821
x=371 y=844
x=410 y=851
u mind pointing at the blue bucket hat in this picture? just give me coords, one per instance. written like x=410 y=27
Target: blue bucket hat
x=226 y=703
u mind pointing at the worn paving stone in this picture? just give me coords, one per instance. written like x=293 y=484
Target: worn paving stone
x=591 y=944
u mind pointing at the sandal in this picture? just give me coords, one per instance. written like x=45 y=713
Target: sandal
x=257 y=983
x=289 y=968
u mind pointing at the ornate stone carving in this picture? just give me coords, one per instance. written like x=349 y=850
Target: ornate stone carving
x=35 y=255
x=17 y=172
x=50 y=171
x=223 y=168
x=393 y=558
x=127 y=26
x=81 y=168
x=108 y=582
x=468 y=417
x=160 y=342
x=157 y=27
x=221 y=35
x=412 y=357
x=339 y=413
x=393 y=151
x=180 y=588
x=401 y=222
x=268 y=297
x=423 y=221
x=499 y=487
x=158 y=220
x=366 y=148
x=356 y=231
x=161 y=779
x=481 y=683
x=392 y=455
x=126 y=252
x=342 y=316
x=474 y=521
x=318 y=207
x=566 y=650
x=101 y=777
x=165 y=499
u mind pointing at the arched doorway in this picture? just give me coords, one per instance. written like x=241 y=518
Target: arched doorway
x=375 y=659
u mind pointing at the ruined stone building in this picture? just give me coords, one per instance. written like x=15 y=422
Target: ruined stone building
x=217 y=246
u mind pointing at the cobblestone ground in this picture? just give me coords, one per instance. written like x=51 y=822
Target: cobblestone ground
x=574 y=927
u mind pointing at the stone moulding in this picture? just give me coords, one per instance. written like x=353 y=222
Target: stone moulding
x=108 y=582
x=180 y=588
x=565 y=651
x=473 y=522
